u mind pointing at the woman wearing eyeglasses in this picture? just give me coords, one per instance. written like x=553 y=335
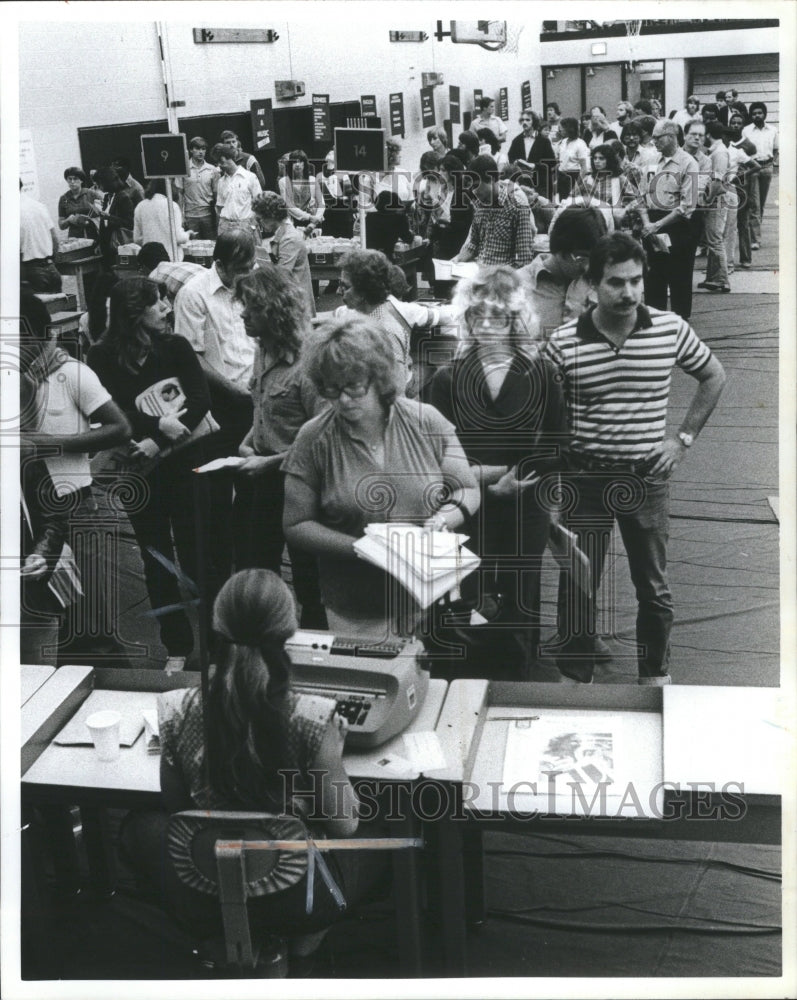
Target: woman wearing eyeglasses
x=283 y=399
x=374 y=456
x=502 y=396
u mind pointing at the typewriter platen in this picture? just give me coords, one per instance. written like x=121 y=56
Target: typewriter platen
x=379 y=687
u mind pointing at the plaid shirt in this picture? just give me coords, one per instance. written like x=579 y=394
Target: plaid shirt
x=501 y=234
x=174 y=274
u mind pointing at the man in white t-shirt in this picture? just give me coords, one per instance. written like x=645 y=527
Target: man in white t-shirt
x=38 y=241
x=488 y=119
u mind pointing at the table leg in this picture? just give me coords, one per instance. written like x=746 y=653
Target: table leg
x=81 y=289
x=99 y=851
x=36 y=930
x=407 y=896
x=452 y=873
x=473 y=865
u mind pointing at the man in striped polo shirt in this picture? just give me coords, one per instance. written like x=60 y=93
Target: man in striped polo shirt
x=616 y=362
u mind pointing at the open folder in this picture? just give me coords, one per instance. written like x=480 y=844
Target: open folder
x=426 y=563
x=448 y=270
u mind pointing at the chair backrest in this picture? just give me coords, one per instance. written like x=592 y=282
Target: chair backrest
x=208 y=856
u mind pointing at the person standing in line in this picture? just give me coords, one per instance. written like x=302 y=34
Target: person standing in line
x=132 y=188
x=716 y=212
x=666 y=207
x=501 y=229
x=246 y=160
x=199 y=191
x=765 y=138
x=152 y=222
x=38 y=241
x=288 y=248
x=488 y=119
x=235 y=193
x=620 y=458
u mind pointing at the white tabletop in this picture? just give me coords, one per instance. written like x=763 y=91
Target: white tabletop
x=137 y=771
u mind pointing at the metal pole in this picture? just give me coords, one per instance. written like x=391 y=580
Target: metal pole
x=172 y=225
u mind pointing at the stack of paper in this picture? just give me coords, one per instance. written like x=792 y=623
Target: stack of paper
x=426 y=563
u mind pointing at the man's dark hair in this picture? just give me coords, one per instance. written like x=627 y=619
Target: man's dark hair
x=646 y=123
x=554 y=105
x=485 y=166
x=577 y=229
x=34 y=317
x=757 y=106
x=711 y=109
x=485 y=102
x=630 y=128
x=614 y=249
x=122 y=165
x=234 y=247
x=715 y=129
x=644 y=106
x=223 y=149
x=688 y=126
x=470 y=141
x=150 y=255
x=720 y=95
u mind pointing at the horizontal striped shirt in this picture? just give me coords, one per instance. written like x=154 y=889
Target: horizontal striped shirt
x=617 y=397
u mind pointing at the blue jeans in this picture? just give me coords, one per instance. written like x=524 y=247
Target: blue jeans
x=716 y=216
x=641 y=509
x=759 y=189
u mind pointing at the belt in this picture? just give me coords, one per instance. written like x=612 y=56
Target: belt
x=580 y=463
x=39 y=260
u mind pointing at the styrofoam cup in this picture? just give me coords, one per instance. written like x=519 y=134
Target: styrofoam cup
x=104 y=729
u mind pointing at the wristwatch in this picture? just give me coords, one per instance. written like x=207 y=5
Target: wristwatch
x=687 y=440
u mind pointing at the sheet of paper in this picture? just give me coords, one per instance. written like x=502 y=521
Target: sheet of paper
x=424 y=750
x=231 y=462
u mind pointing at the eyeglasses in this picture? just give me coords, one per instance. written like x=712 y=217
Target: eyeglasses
x=355 y=391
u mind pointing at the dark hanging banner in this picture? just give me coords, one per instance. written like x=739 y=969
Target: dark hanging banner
x=322 y=125
x=455 y=108
x=368 y=106
x=397 y=114
x=477 y=96
x=262 y=124
x=503 y=104
x=525 y=95
x=427 y=106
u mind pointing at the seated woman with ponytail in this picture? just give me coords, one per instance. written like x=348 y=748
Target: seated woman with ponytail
x=263 y=741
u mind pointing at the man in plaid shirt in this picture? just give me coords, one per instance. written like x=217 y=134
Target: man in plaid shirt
x=501 y=230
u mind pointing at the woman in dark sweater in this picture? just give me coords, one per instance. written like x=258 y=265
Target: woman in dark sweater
x=156 y=379
x=508 y=410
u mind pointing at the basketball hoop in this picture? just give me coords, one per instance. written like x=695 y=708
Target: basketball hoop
x=632 y=30
x=513 y=33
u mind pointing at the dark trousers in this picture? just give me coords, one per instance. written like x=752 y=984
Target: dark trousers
x=672 y=271
x=164 y=521
x=641 y=509
x=510 y=536
x=259 y=541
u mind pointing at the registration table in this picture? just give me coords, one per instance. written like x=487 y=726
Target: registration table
x=73 y=776
x=682 y=762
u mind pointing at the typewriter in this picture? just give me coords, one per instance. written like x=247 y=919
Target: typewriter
x=379 y=687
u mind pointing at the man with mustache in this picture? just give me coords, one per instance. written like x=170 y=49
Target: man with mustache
x=616 y=363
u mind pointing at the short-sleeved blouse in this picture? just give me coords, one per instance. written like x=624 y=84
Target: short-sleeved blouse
x=183 y=745
x=354 y=490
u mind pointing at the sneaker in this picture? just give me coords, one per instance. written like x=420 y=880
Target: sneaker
x=724 y=289
x=174 y=664
x=710 y=285
x=573 y=681
x=661 y=681
x=755 y=246
x=745 y=265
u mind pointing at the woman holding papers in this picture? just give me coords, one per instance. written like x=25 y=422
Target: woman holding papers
x=156 y=380
x=373 y=457
x=503 y=399
x=284 y=398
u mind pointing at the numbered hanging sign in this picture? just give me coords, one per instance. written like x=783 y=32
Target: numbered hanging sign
x=360 y=149
x=164 y=155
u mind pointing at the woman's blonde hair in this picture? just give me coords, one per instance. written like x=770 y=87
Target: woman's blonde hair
x=500 y=286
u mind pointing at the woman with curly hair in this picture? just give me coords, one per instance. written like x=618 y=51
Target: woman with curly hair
x=284 y=399
x=502 y=397
x=604 y=183
x=155 y=378
x=365 y=287
x=268 y=749
x=287 y=247
x=373 y=456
